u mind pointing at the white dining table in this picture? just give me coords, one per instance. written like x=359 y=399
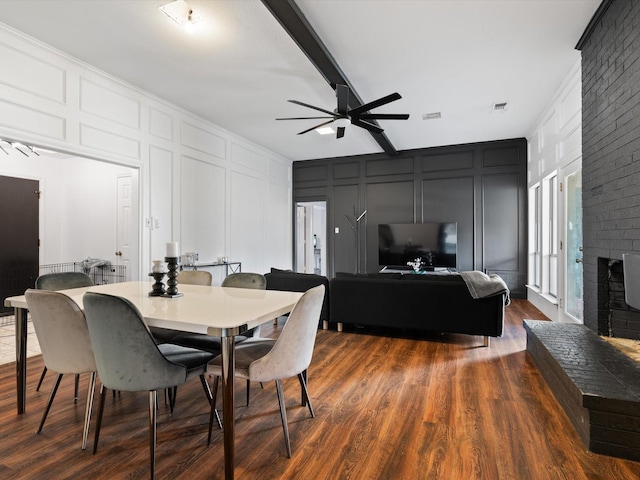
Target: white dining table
x=219 y=311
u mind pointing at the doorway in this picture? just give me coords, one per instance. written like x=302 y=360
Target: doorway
x=19 y=236
x=311 y=238
x=572 y=272
x=78 y=210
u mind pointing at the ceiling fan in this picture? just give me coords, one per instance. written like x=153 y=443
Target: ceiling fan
x=358 y=116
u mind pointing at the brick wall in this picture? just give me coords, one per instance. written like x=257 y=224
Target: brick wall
x=611 y=145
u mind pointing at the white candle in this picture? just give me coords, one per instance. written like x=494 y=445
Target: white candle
x=172 y=250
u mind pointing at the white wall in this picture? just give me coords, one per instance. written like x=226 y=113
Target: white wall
x=212 y=191
x=554 y=143
x=77 y=203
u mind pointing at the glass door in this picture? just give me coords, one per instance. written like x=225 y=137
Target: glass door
x=573 y=305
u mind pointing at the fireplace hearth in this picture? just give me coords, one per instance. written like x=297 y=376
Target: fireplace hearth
x=597 y=385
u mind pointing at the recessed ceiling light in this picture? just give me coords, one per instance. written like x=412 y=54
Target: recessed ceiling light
x=325 y=130
x=431 y=116
x=180 y=12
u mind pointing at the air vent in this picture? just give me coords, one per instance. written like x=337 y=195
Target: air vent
x=499 y=107
x=431 y=116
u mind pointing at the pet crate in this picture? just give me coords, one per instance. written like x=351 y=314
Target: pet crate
x=101 y=272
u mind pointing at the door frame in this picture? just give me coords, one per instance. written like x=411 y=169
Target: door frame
x=563 y=173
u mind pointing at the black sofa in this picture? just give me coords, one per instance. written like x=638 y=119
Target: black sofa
x=433 y=302
x=300 y=282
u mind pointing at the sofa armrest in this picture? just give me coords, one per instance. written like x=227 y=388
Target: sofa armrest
x=299 y=282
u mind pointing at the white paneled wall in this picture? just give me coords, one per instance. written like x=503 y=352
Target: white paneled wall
x=554 y=144
x=214 y=192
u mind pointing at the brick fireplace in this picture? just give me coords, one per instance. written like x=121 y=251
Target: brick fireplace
x=615 y=317
x=610 y=49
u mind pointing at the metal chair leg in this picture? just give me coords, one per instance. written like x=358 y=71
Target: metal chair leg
x=283 y=416
x=213 y=411
x=44 y=372
x=305 y=376
x=89 y=406
x=103 y=394
x=153 y=396
x=52 y=395
x=173 y=392
x=305 y=394
x=75 y=390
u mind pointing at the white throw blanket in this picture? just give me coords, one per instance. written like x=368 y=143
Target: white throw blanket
x=481 y=285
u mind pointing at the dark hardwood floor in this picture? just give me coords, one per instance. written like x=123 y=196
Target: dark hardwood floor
x=440 y=407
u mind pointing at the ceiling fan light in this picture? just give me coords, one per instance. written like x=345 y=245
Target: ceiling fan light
x=325 y=130
x=341 y=122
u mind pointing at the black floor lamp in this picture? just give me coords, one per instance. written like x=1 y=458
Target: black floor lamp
x=355 y=226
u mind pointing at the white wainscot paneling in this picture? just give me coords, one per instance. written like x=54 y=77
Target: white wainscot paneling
x=160 y=124
x=247 y=233
x=202 y=208
x=248 y=158
x=160 y=199
x=571 y=105
x=32 y=75
x=278 y=227
x=202 y=140
x=109 y=142
x=571 y=147
x=106 y=103
x=32 y=121
x=548 y=130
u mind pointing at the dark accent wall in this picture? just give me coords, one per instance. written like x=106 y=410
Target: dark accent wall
x=611 y=145
x=481 y=186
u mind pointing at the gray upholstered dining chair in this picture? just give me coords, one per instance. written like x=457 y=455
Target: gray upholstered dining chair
x=265 y=360
x=61 y=329
x=195 y=277
x=211 y=344
x=128 y=358
x=62 y=281
x=186 y=277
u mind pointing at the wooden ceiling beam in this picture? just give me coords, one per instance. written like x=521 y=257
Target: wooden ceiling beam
x=297 y=26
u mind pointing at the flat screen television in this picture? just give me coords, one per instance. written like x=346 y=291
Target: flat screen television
x=434 y=243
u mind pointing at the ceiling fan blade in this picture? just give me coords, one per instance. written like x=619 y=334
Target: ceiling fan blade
x=376 y=103
x=384 y=116
x=366 y=125
x=302 y=118
x=340 y=133
x=311 y=106
x=342 y=92
x=313 y=128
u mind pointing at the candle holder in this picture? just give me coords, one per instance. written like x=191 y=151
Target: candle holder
x=172 y=280
x=158 y=286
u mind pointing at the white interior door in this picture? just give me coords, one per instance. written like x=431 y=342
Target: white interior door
x=572 y=307
x=124 y=236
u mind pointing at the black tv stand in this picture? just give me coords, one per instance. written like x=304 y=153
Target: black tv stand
x=407 y=269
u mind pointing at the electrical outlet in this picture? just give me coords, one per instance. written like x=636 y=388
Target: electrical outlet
x=147 y=222
x=156 y=223
x=337 y=230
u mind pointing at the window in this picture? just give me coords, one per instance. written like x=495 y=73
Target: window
x=544 y=239
x=535 y=251
x=552 y=267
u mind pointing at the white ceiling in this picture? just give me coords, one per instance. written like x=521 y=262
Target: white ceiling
x=239 y=67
